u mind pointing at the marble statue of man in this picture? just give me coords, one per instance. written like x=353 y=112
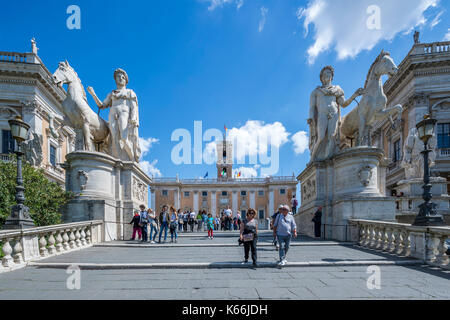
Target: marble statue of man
x=412 y=160
x=324 y=115
x=123 y=118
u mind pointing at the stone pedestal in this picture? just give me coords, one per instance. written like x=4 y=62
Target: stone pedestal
x=106 y=189
x=407 y=206
x=349 y=185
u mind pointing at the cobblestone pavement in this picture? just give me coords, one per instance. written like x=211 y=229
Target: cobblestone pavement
x=321 y=282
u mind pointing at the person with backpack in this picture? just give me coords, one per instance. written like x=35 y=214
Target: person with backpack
x=164 y=222
x=294 y=204
x=199 y=221
x=144 y=222
x=274 y=217
x=180 y=220
x=136 y=226
x=185 y=220
x=153 y=225
x=249 y=235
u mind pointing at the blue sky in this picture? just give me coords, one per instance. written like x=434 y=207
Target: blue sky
x=222 y=62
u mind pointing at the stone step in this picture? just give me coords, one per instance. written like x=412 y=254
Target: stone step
x=220 y=265
x=213 y=245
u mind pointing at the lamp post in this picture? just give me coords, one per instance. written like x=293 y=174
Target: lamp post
x=20 y=216
x=427 y=214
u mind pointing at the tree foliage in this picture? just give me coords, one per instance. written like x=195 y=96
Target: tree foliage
x=43 y=197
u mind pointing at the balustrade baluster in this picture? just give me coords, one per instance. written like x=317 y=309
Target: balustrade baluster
x=399 y=243
x=7 y=260
x=373 y=238
x=18 y=251
x=392 y=240
x=380 y=238
x=59 y=241
x=43 y=246
x=362 y=234
x=430 y=253
x=369 y=236
x=77 y=237
x=406 y=243
x=442 y=258
x=88 y=235
x=83 y=237
x=66 y=239
x=387 y=238
x=51 y=243
x=72 y=239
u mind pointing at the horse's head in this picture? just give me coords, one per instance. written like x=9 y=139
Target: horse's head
x=64 y=74
x=386 y=65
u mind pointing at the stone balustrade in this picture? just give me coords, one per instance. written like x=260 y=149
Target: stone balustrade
x=22 y=246
x=425 y=243
x=13 y=56
x=280 y=179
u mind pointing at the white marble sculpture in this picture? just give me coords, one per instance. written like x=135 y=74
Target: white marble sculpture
x=90 y=125
x=32 y=148
x=324 y=115
x=123 y=118
x=372 y=107
x=412 y=160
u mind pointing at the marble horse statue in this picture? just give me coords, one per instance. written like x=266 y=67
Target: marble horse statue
x=372 y=107
x=94 y=129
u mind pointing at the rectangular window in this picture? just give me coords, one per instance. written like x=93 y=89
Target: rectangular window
x=282 y=191
x=8 y=142
x=53 y=155
x=205 y=193
x=186 y=194
x=261 y=193
x=397 y=151
x=165 y=193
x=261 y=215
x=244 y=193
x=443 y=135
x=224 y=193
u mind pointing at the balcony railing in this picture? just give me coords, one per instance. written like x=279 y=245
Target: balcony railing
x=287 y=179
x=444 y=152
x=13 y=56
x=435 y=47
x=26 y=245
x=425 y=243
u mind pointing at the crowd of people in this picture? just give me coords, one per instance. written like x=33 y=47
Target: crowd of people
x=176 y=221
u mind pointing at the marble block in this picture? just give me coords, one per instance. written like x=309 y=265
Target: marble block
x=106 y=189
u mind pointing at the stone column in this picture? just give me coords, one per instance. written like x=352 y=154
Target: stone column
x=153 y=198
x=234 y=202
x=213 y=203
x=270 y=209
x=252 y=199
x=195 y=199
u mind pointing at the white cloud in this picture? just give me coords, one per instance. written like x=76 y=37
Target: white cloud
x=447 y=35
x=344 y=25
x=301 y=142
x=255 y=137
x=246 y=172
x=436 y=20
x=262 y=21
x=213 y=4
x=146 y=144
x=150 y=168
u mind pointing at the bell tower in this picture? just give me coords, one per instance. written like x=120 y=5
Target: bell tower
x=224 y=159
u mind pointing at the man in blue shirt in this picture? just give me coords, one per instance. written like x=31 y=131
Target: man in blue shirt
x=284 y=228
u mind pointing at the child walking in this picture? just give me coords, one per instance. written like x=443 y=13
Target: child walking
x=210 y=226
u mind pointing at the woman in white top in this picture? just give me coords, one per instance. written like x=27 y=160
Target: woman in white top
x=153 y=224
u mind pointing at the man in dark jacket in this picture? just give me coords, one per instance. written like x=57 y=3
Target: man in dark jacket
x=136 y=225
x=317 y=222
x=164 y=222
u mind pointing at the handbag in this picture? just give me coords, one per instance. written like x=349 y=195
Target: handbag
x=248 y=237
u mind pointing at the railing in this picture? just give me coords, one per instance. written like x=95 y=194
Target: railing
x=444 y=152
x=435 y=47
x=13 y=56
x=25 y=245
x=230 y=181
x=5 y=157
x=425 y=243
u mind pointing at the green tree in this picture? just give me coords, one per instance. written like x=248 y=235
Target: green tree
x=43 y=197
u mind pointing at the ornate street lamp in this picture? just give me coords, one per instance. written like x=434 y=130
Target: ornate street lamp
x=427 y=215
x=20 y=217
